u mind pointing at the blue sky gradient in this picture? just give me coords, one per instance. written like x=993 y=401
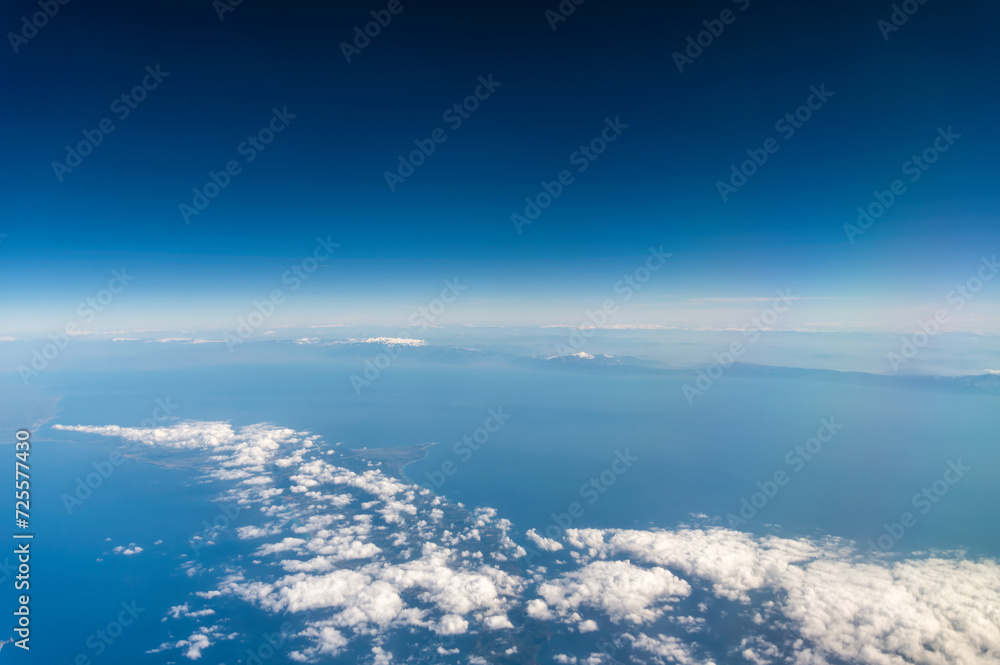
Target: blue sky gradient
x=656 y=184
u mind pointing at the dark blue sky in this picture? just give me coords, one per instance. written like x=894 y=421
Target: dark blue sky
x=655 y=185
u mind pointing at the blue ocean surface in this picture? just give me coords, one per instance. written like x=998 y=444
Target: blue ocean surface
x=75 y=572
x=627 y=449
x=566 y=427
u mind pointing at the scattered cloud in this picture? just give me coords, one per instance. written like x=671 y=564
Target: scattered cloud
x=131 y=550
x=352 y=553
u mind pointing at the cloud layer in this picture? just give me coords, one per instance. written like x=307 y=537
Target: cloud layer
x=355 y=555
